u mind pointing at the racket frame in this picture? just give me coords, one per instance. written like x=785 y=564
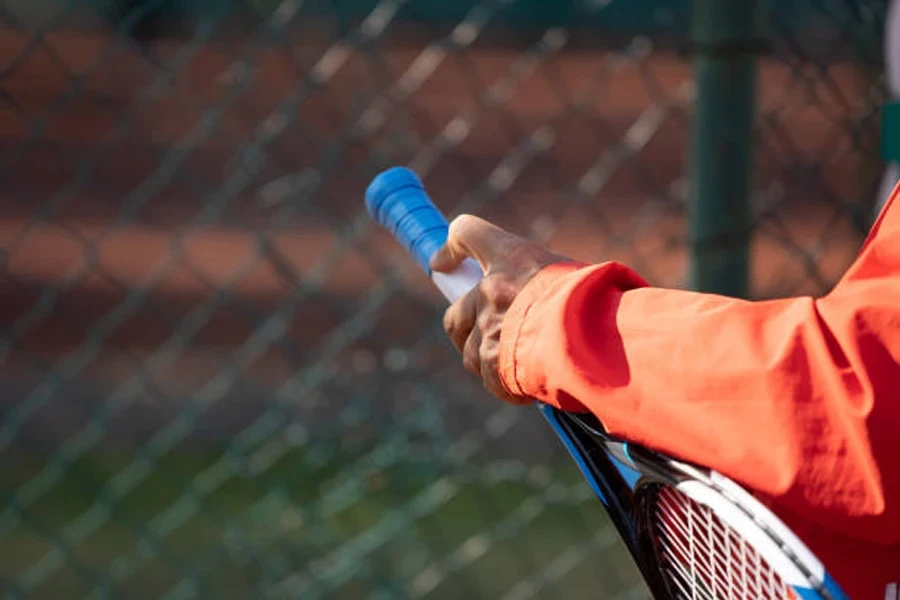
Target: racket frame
x=617 y=472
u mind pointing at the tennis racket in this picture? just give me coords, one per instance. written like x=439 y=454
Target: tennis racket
x=693 y=533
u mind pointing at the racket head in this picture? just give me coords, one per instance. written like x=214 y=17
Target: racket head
x=692 y=532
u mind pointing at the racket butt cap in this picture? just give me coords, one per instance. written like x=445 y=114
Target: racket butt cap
x=397 y=200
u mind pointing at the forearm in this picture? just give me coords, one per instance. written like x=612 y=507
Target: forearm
x=761 y=391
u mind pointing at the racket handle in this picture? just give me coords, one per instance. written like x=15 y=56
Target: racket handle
x=397 y=200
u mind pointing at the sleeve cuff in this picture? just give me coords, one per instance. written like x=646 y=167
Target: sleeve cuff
x=517 y=316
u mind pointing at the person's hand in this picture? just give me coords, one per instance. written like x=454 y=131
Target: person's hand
x=474 y=321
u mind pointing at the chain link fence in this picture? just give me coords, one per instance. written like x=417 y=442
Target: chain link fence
x=221 y=380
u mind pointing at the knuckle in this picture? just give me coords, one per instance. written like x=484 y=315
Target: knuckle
x=472 y=354
x=489 y=362
x=488 y=286
x=495 y=387
x=470 y=362
x=448 y=320
x=497 y=289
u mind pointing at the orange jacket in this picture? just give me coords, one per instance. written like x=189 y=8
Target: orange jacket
x=798 y=399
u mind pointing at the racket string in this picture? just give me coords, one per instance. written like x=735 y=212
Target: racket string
x=702 y=558
x=715 y=533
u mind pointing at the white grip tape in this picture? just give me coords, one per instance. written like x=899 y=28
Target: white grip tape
x=458 y=283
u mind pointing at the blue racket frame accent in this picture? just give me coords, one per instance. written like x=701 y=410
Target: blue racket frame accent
x=628 y=473
x=569 y=444
x=831 y=586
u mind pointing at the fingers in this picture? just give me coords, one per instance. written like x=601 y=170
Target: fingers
x=495 y=386
x=480 y=360
x=446 y=259
x=491 y=375
x=459 y=319
x=475 y=333
x=463 y=329
x=473 y=237
x=472 y=353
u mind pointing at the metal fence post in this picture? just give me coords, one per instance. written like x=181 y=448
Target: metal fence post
x=726 y=38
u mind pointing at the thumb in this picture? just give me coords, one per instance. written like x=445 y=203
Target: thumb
x=472 y=237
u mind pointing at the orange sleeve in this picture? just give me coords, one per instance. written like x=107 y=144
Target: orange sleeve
x=798 y=399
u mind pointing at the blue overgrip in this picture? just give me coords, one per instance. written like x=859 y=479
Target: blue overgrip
x=397 y=199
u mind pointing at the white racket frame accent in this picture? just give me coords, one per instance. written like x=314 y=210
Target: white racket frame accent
x=751 y=520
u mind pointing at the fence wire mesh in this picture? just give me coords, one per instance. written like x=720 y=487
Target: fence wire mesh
x=221 y=380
